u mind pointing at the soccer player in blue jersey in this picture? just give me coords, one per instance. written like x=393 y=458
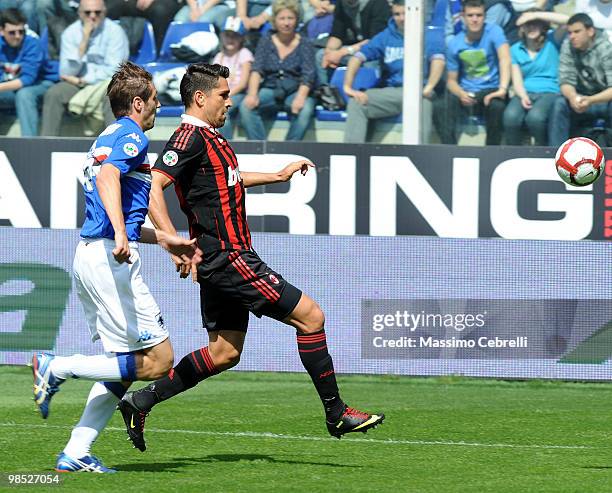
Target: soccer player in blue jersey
x=119 y=308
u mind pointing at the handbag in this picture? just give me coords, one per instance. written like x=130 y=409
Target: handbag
x=330 y=98
x=284 y=86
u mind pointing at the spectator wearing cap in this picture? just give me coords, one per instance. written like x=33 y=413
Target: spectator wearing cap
x=91 y=50
x=238 y=59
x=535 y=67
x=212 y=11
x=22 y=81
x=282 y=77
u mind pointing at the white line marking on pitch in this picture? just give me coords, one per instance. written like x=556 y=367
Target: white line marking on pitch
x=350 y=439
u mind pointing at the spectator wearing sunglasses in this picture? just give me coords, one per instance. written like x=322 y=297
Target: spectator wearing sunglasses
x=22 y=84
x=92 y=49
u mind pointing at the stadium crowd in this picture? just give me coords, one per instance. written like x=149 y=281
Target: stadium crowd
x=521 y=68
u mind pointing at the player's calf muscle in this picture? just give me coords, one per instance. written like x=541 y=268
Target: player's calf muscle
x=155 y=362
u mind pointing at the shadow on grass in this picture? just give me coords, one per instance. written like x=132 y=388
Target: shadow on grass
x=180 y=462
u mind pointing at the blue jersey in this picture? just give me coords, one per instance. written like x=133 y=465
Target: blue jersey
x=123 y=145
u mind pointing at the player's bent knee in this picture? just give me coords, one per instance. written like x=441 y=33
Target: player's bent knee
x=317 y=318
x=225 y=359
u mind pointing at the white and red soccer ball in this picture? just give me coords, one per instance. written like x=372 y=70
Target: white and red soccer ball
x=579 y=161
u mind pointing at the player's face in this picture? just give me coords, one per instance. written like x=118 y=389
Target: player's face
x=217 y=104
x=150 y=110
x=580 y=37
x=474 y=18
x=13 y=34
x=398 y=12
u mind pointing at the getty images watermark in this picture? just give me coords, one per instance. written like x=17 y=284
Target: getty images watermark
x=470 y=328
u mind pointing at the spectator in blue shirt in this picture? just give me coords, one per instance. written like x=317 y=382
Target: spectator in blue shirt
x=535 y=67
x=282 y=77
x=22 y=84
x=478 y=64
x=382 y=102
x=91 y=50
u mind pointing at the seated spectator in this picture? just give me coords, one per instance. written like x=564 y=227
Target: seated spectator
x=22 y=85
x=355 y=23
x=585 y=75
x=253 y=13
x=282 y=78
x=48 y=11
x=212 y=11
x=26 y=7
x=238 y=59
x=158 y=12
x=478 y=64
x=535 y=67
x=502 y=13
x=91 y=50
x=388 y=47
x=316 y=8
x=600 y=11
x=318 y=19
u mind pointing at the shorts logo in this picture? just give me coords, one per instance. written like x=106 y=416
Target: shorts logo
x=273 y=278
x=160 y=321
x=130 y=149
x=170 y=158
x=144 y=336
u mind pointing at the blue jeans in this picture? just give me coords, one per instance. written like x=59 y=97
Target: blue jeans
x=215 y=15
x=536 y=119
x=227 y=130
x=564 y=120
x=27 y=102
x=252 y=122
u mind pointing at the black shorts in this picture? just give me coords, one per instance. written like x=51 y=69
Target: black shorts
x=234 y=283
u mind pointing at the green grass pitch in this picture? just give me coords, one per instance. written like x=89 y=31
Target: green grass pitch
x=243 y=432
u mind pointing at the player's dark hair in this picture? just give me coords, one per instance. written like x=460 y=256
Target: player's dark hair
x=472 y=3
x=11 y=16
x=399 y=3
x=128 y=82
x=582 y=18
x=201 y=77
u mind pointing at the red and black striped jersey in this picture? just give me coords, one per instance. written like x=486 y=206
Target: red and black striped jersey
x=204 y=169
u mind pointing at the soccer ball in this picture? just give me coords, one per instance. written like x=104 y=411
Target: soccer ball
x=579 y=161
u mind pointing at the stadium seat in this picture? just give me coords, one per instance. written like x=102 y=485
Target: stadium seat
x=146 y=52
x=365 y=78
x=166 y=110
x=176 y=32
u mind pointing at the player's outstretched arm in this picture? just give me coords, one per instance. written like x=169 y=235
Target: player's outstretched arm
x=108 y=185
x=158 y=213
x=181 y=247
x=252 y=179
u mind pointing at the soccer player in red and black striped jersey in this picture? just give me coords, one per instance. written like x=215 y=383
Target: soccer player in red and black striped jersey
x=233 y=280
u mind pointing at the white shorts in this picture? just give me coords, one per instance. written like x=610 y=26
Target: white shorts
x=119 y=307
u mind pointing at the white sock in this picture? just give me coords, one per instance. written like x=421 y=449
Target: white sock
x=99 y=367
x=98 y=411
